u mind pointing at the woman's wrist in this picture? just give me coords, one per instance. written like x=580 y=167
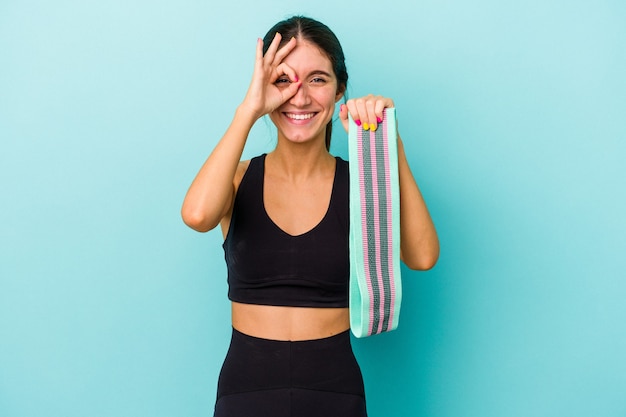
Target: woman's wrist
x=246 y=115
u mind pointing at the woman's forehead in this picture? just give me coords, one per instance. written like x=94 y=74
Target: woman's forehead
x=307 y=55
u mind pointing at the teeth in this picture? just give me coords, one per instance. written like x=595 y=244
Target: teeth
x=300 y=116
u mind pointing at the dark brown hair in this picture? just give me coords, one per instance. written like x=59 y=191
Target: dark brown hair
x=319 y=34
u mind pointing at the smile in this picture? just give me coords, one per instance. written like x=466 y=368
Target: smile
x=300 y=116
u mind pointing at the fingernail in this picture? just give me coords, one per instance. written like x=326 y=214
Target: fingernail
x=342 y=107
x=358 y=122
x=378 y=120
x=366 y=126
x=295 y=79
x=373 y=128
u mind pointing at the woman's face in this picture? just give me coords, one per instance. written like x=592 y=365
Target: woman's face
x=303 y=117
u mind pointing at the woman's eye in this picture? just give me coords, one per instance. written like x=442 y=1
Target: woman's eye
x=282 y=80
x=318 y=80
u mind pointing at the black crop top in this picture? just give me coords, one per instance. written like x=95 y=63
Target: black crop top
x=268 y=266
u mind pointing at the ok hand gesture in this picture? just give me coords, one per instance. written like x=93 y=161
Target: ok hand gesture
x=263 y=95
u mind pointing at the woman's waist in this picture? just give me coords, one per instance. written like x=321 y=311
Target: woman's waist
x=289 y=323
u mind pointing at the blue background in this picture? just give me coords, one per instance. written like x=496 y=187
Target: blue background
x=513 y=119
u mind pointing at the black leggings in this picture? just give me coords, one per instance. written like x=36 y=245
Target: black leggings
x=312 y=378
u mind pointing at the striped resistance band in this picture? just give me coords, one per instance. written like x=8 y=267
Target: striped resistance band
x=375 y=286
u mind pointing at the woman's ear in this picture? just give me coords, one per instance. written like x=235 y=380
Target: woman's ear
x=340 y=91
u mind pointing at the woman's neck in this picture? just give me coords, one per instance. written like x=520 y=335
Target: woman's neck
x=299 y=161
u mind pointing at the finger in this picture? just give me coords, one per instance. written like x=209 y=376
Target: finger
x=290 y=91
x=284 y=69
x=258 y=59
x=284 y=51
x=354 y=112
x=271 y=50
x=361 y=109
x=370 y=104
x=379 y=105
x=259 y=48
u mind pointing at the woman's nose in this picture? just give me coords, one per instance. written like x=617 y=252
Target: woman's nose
x=301 y=98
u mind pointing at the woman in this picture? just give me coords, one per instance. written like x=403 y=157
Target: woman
x=284 y=217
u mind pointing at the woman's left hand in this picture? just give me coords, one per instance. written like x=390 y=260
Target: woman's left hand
x=366 y=111
x=419 y=244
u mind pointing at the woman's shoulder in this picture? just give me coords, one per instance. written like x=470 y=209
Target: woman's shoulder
x=241 y=171
x=242 y=168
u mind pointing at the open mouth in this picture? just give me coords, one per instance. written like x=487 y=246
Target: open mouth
x=300 y=116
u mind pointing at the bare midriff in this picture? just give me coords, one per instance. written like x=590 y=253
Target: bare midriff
x=289 y=323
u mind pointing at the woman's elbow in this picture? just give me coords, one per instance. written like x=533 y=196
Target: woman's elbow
x=196 y=220
x=422 y=261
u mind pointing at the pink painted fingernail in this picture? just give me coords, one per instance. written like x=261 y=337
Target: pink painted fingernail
x=358 y=122
x=379 y=120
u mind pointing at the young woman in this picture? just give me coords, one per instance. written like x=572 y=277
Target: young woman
x=284 y=216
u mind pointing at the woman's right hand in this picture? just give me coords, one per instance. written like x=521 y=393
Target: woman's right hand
x=264 y=96
x=211 y=194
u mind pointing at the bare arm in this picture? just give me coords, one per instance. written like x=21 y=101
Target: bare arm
x=211 y=193
x=419 y=247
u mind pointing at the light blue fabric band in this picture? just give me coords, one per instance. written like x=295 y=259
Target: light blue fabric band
x=375 y=281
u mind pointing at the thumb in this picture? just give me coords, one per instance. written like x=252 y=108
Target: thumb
x=290 y=91
x=343 y=116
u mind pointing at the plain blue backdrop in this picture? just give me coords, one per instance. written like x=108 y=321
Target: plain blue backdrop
x=513 y=116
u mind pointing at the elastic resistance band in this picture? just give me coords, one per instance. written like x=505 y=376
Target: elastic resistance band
x=375 y=284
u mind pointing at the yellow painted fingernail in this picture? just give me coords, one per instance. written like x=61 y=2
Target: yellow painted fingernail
x=373 y=128
x=366 y=126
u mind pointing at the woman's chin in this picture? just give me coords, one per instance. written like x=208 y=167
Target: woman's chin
x=302 y=134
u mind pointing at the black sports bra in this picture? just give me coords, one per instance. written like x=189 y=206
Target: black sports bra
x=268 y=266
